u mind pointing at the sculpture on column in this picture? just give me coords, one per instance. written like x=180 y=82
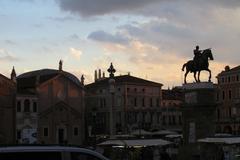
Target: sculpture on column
x=198 y=64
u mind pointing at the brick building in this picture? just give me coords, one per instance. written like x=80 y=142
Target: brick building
x=228 y=98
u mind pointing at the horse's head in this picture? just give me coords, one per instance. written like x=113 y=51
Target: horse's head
x=208 y=53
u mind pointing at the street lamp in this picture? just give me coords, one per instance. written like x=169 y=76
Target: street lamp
x=111 y=82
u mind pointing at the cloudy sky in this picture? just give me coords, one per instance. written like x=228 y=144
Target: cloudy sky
x=151 y=39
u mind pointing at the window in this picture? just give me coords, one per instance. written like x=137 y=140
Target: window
x=135 y=89
x=143 y=90
x=27 y=105
x=173 y=120
x=158 y=117
x=230 y=94
x=45 y=132
x=218 y=114
x=19 y=135
x=135 y=102
x=237 y=78
x=157 y=100
x=151 y=102
x=217 y=96
x=143 y=102
x=169 y=120
x=164 y=120
x=180 y=120
x=223 y=95
x=75 y=131
x=34 y=106
x=104 y=102
x=230 y=112
x=228 y=79
x=222 y=79
x=19 y=106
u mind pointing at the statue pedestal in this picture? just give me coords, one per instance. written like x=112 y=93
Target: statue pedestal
x=198 y=111
x=198 y=114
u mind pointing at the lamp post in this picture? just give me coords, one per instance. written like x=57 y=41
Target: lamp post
x=111 y=82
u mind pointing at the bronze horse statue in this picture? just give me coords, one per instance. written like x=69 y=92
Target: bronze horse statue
x=202 y=65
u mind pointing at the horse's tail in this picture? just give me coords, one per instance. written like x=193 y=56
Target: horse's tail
x=184 y=66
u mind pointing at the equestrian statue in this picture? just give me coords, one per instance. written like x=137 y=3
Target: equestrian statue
x=198 y=64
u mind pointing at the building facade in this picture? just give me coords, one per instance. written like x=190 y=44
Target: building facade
x=228 y=98
x=50 y=107
x=171 y=109
x=135 y=104
x=7 y=108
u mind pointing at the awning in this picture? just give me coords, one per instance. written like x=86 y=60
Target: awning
x=141 y=132
x=137 y=142
x=164 y=132
x=226 y=140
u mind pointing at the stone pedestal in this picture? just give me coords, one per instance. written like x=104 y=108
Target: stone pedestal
x=198 y=117
x=198 y=111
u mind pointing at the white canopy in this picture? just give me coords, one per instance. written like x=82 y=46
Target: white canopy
x=137 y=142
x=141 y=132
x=174 y=136
x=164 y=132
x=226 y=140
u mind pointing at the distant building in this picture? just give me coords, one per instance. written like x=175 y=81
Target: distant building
x=50 y=107
x=136 y=104
x=7 y=108
x=228 y=98
x=171 y=109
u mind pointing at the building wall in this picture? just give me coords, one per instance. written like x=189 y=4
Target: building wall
x=172 y=115
x=7 y=118
x=228 y=98
x=135 y=106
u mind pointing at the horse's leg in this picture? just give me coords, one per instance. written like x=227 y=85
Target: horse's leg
x=199 y=76
x=195 y=76
x=185 y=76
x=210 y=75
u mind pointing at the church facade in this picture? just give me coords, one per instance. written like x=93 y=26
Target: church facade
x=50 y=107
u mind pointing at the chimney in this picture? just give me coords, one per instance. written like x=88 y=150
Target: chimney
x=99 y=74
x=60 y=65
x=13 y=75
x=95 y=75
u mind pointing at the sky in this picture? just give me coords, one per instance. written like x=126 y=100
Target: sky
x=151 y=39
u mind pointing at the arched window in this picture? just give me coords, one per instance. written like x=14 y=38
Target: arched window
x=18 y=106
x=26 y=105
x=34 y=106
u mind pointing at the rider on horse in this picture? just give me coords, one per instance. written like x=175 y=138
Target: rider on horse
x=196 y=59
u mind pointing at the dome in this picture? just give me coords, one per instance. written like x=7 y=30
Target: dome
x=30 y=79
